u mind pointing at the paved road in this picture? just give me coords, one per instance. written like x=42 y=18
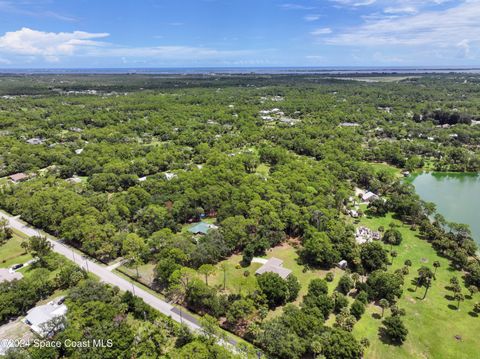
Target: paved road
x=106 y=276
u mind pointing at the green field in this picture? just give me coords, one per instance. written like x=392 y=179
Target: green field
x=12 y=253
x=436 y=328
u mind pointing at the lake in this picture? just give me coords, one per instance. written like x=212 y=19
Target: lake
x=456 y=195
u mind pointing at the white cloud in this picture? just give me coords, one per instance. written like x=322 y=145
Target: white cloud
x=49 y=45
x=27 y=44
x=321 y=31
x=445 y=29
x=401 y=10
x=311 y=17
x=354 y=3
x=290 y=6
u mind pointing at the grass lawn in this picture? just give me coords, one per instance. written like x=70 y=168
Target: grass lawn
x=12 y=253
x=394 y=171
x=145 y=271
x=433 y=323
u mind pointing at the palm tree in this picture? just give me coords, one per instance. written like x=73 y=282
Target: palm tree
x=427 y=284
x=472 y=289
x=206 y=269
x=423 y=274
x=223 y=267
x=436 y=265
x=459 y=297
x=316 y=348
x=393 y=254
x=383 y=304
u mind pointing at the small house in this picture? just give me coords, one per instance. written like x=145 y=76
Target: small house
x=369 y=197
x=274 y=265
x=35 y=141
x=18 y=177
x=343 y=264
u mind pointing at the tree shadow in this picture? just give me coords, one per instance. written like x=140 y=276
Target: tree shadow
x=452 y=307
x=411 y=290
x=473 y=314
x=448 y=297
x=376 y=316
x=382 y=335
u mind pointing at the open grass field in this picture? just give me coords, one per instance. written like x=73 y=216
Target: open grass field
x=394 y=171
x=436 y=328
x=12 y=253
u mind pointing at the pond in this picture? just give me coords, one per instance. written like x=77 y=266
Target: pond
x=456 y=195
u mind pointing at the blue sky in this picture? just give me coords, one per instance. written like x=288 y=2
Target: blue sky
x=200 y=33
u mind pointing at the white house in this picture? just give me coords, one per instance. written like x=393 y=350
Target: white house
x=369 y=197
x=38 y=318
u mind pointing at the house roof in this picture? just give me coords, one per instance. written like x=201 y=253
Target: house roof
x=202 y=227
x=369 y=195
x=6 y=275
x=274 y=265
x=18 y=177
x=42 y=314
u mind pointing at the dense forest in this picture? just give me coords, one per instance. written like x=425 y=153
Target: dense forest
x=122 y=166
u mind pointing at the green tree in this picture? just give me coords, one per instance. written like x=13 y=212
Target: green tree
x=395 y=329
x=39 y=247
x=436 y=265
x=345 y=284
x=134 y=249
x=459 y=297
x=392 y=237
x=206 y=270
x=373 y=256
x=384 y=304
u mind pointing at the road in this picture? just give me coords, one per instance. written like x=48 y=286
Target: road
x=106 y=276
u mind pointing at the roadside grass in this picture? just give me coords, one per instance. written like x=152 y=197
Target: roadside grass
x=145 y=271
x=436 y=328
x=12 y=253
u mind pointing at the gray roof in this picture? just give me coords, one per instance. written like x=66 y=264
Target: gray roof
x=274 y=265
x=38 y=316
x=6 y=275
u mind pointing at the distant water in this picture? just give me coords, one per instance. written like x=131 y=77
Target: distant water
x=456 y=195
x=249 y=70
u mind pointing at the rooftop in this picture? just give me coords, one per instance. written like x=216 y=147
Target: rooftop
x=18 y=177
x=274 y=265
x=202 y=228
x=8 y=276
x=39 y=316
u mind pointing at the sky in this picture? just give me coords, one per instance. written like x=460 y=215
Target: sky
x=238 y=33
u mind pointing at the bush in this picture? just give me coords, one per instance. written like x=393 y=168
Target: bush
x=329 y=277
x=357 y=309
x=317 y=287
x=345 y=284
x=395 y=329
